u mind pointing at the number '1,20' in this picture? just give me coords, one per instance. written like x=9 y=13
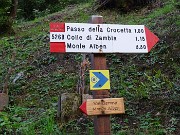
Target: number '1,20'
x=139 y=30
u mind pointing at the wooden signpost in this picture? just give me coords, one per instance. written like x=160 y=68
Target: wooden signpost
x=98 y=39
x=102 y=124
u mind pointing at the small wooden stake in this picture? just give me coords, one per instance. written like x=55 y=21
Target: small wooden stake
x=4 y=99
x=98 y=61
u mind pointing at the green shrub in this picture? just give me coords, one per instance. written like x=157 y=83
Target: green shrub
x=29 y=9
x=124 y=5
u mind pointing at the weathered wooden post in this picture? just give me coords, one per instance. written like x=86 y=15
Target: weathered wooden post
x=4 y=99
x=98 y=61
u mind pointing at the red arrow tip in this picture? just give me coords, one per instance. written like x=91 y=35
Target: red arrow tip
x=83 y=108
x=151 y=39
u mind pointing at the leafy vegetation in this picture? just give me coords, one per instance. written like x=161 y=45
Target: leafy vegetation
x=148 y=82
x=31 y=9
x=123 y=5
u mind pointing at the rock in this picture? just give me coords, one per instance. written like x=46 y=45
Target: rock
x=68 y=106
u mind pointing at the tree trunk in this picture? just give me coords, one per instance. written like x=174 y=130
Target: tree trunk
x=13 y=11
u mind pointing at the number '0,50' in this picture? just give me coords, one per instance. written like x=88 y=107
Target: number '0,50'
x=140 y=46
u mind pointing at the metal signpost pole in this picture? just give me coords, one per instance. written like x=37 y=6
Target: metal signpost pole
x=98 y=60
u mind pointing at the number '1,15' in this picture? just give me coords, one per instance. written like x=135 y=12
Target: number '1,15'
x=140 y=39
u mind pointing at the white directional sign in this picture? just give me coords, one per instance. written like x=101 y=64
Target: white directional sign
x=100 y=38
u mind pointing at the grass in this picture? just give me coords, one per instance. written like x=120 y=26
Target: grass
x=148 y=82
